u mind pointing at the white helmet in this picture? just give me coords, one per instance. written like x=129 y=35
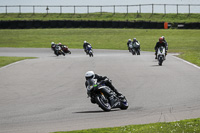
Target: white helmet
x=85 y=41
x=129 y=39
x=134 y=39
x=163 y=37
x=89 y=74
x=52 y=43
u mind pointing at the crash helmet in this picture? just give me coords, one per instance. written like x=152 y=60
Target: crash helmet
x=59 y=43
x=85 y=41
x=134 y=39
x=52 y=43
x=129 y=40
x=89 y=75
x=161 y=39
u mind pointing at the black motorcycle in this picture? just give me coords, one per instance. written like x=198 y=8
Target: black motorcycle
x=104 y=96
x=58 y=51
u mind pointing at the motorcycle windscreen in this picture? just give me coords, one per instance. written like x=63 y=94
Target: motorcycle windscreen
x=91 y=82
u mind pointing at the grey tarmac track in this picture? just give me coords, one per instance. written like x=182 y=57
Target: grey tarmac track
x=47 y=94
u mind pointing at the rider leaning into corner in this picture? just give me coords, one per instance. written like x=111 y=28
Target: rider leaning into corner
x=92 y=75
x=165 y=43
x=129 y=41
x=85 y=45
x=134 y=41
x=159 y=44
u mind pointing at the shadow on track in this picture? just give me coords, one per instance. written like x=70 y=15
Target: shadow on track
x=98 y=111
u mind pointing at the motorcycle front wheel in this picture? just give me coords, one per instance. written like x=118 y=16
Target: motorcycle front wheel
x=103 y=102
x=124 y=104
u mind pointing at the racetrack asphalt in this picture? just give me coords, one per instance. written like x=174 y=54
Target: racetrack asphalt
x=47 y=94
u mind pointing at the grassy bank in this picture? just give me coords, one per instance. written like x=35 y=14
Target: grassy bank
x=156 y=17
x=7 y=60
x=183 y=126
x=185 y=42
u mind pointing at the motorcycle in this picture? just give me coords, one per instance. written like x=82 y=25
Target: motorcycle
x=89 y=51
x=136 y=47
x=131 y=49
x=104 y=96
x=58 y=51
x=66 y=49
x=53 y=46
x=161 y=55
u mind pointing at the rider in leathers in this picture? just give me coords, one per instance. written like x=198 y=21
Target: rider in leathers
x=85 y=45
x=136 y=47
x=159 y=44
x=129 y=41
x=100 y=78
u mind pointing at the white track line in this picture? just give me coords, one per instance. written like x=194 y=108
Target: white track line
x=12 y=64
x=187 y=62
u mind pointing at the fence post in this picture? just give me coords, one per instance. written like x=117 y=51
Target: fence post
x=127 y=9
x=74 y=10
x=47 y=9
x=189 y=8
x=140 y=8
x=114 y=9
x=60 y=9
x=177 y=8
x=6 y=9
x=152 y=8
x=19 y=9
x=88 y=11
x=101 y=9
x=165 y=8
x=33 y=9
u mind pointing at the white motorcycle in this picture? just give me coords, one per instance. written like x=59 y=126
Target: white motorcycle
x=161 y=55
x=132 y=50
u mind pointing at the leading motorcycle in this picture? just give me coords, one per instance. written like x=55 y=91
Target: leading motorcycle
x=58 y=51
x=136 y=47
x=161 y=55
x=103 y=96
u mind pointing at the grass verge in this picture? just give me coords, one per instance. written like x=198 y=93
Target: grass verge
x=183 y=126
x=156 y=17
x=185 y=42
x=8 y=60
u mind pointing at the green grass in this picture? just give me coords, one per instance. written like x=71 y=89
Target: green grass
x=7 y=60
x=157 y=17
x=185 y=42
x=183 y=126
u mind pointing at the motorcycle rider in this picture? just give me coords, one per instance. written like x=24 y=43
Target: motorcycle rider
x=53 y=45
x=136 y=47
x=60 y=44
x=159 y=44
x=166 y=44
x=92 y=75
x=85 y=45
x=129 y=42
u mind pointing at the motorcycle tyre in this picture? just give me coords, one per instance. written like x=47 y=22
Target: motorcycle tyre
x=160 y=62
x=138 y=53
x=63 y=53
x=91 y=55
x=101 y=104
x=123 y=106
x=133 y=52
